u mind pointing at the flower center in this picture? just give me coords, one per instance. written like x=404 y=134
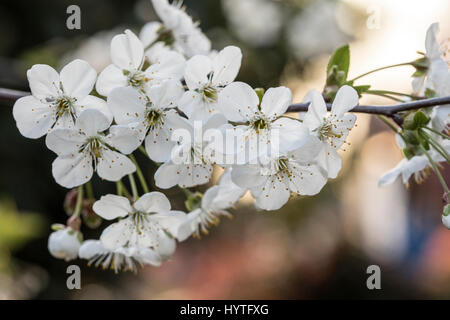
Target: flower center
x=260 y=124
x=210 y=94
x=136 y=79
x=154 y=117
x=94 y=147
x=64 y=105
x=325 y=131
x=165 y=35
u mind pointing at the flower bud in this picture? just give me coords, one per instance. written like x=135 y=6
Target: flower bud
x=64 y=244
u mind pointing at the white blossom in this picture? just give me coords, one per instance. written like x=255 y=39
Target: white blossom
x=261 y=124
x=214 y=204
x=64 y=244
x=127 y=55
x=56 y=100
x=205 y=77
x=178 y=30
x=191 y=161
x=333 y=128
x=272 y=182
x=147 y=224
x=151 y=113
x=86 y=148
x=119 y=259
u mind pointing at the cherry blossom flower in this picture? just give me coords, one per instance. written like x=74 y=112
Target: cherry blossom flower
x=85 y=149
x=178 y=31
x=120 y=259
x=418 y=166
x=272 y=182
x=64 y=244
x=205 y=78
x=191 y=161
x=57 y=99
x=151 y=113
x=127 y=55
x=148 y=224
x=331 y=129
x=259 y=121
x=214 y=204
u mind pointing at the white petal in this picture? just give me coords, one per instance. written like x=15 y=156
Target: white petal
x=226 y=66
x=330 y=160
x=92 y=121
x=44 y=81
x=307 y=180
x=64 y=141
x=247 y=176
x=272 y=195
x=346 y=99
x=64 y=122
x=111 y=207
x=292 y=134
x=188 y=226
x=309 y=151
x=317 y=110
x=165 y=95
x=72 y=171
x=276 y=101
x=149 y=33
x=195 y=107
x=113 y=166
x=90 y=248
x=110 y=78
x=127 y=105
x=197 y=70
x=127 y=51
x=168 y=66
x=431 y=44
x=78 y=79
x=159 y=145
x=238 y=102
x=33 y=118
x=153 y=202
x=123 y=138
x=92 y=102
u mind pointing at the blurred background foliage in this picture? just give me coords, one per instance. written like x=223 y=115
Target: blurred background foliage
x=317 y=247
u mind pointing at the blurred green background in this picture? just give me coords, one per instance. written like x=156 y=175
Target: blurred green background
x=317 y=247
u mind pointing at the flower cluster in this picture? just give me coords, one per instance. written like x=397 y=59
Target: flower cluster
x=169 y=95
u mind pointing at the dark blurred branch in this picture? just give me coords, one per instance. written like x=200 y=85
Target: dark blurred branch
x=8 y=97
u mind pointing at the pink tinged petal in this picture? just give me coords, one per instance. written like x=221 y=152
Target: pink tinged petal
x=113 y=166
x=238 y=102
x=127 y=51
x=276 y=101
x=72 y=170
x=197 y=70
x=93 y=103
x=44 y=81
x=153 y=202
x=111 y=207
x=165 y=95
x=91 y=122
x=272 y=195
x=110 y=78
x=346 y=99
x=226 y=66
x=127 y=105
x=123 y=138
x=317 y=110
x=168 y=66
x=159 y=145
x=33 y=118
x=65 y=141
x=78 y=79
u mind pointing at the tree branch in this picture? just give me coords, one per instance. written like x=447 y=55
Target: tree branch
x=8 y=96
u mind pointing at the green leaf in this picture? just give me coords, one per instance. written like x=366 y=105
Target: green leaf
x=340 y=62
x=420 y=119
x=361 y=89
